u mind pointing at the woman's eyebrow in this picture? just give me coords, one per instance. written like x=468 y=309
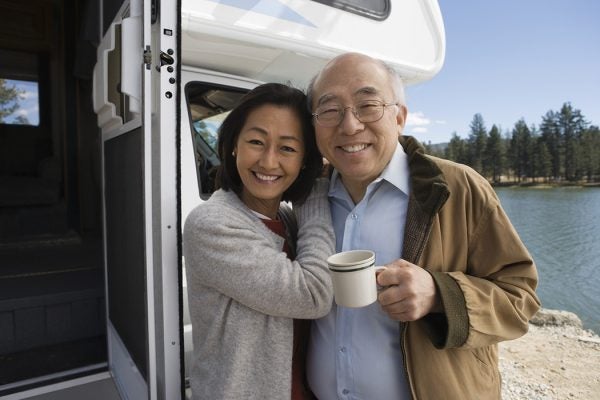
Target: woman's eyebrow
x=263 y=132
x=294 y=138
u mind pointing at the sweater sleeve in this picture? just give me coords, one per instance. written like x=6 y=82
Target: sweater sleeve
x=227 y=252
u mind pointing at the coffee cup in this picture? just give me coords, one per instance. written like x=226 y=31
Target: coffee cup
x=353 y=274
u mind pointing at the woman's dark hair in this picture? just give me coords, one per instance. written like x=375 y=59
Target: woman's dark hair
x=280 y=95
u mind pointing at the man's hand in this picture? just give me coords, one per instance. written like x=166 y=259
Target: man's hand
x=409 y=291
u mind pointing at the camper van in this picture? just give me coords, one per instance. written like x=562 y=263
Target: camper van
x=109 y=113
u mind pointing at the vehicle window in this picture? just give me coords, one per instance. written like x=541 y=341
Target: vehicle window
x=19 y=88
x=374 y=9
x=208 y=105
x=19 y=102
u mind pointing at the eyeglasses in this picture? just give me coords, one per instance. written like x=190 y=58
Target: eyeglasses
x=365 y=111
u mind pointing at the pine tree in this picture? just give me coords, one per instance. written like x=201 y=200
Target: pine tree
x=551 y=136
x=542 y=159
x=9 y=99
x=590 y=153
x=477 y=141
x=494 y=154
x=456 y=150
x=571 y=125
x=520 y=150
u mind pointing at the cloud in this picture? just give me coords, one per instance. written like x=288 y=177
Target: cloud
x=29 y=95
x=419 y=124
x=417 y=119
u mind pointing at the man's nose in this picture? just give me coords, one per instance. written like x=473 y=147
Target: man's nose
x=350 y=125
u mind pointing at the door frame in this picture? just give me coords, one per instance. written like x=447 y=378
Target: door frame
x=129 y=57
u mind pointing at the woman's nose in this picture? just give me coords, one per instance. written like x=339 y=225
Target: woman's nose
x=269 y=158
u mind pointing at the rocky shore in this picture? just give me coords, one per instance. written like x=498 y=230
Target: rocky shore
x=556 y=359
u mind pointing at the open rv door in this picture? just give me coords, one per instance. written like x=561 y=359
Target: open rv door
x=135 y=98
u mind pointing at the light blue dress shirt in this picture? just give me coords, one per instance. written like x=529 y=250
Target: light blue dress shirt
x=354 y=353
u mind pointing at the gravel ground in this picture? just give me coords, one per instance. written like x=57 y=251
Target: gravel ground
x=554 y=360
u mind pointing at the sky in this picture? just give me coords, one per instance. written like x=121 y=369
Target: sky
x=509 y=60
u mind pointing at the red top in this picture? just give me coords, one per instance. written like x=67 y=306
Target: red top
x=301 y=327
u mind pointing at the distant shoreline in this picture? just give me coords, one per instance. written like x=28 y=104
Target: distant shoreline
x=545 y=185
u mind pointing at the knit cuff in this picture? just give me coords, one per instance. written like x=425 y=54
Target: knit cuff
x=451 y=328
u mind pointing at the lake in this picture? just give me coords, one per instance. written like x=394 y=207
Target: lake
x=561 y=229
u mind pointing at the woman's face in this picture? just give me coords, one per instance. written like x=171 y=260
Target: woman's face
x=269 y=155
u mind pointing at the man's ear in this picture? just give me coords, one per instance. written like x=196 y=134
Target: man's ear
x=401 y=115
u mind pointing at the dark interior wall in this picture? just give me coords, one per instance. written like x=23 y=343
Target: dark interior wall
x=53 y=42
x=109 y=11
x=22 y=147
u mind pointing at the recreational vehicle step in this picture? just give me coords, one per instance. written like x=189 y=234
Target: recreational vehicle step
x=47 y=309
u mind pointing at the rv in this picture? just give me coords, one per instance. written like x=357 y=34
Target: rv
x=109 y=112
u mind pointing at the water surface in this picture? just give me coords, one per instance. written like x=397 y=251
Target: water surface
x=561 y=229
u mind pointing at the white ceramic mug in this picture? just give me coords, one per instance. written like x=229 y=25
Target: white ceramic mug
x=353 y=277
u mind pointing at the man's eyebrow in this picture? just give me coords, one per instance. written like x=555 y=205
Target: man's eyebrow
x=368 y=90
x=325 y=98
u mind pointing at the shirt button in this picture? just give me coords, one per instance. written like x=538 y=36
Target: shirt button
x=345 y=391
x=354 y=216
x=343 y=349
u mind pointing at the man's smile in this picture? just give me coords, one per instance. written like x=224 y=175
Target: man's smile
x=353 y=148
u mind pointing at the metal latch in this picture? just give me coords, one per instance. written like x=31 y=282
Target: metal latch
x=166 y=59
x=148 y=57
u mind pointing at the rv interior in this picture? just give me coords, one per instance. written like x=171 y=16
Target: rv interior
x=52 y=308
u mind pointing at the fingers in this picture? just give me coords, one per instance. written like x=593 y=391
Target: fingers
x=409 y=291
x=394 y=273
x=399 y=303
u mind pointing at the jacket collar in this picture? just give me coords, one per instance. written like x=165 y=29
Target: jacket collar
x=429 y=192
x=428 y=184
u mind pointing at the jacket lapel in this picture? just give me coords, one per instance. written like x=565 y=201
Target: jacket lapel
x=429 y=192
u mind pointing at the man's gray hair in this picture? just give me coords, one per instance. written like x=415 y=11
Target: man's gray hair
x=394 y=76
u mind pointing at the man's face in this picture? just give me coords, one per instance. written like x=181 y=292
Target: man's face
x=359 y=151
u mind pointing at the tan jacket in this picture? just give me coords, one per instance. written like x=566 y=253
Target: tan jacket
x=458 y=231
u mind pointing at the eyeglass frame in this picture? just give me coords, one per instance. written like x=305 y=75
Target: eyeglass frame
x=382 y=104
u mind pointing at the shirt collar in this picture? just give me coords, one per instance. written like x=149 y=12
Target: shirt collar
x=395 y=173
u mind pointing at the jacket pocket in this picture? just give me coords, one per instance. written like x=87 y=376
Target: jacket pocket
x=486 y=359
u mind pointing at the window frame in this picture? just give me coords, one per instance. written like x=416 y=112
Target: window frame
x=202 y=176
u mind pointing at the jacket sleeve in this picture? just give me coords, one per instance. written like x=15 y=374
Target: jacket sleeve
x=228 y=254
x=492 y=297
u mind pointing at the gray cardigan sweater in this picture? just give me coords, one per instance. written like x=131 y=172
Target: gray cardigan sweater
x=244 y=293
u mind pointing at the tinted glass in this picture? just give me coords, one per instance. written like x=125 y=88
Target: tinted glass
x=375 y=9
x=208 y=105
x=19 y=102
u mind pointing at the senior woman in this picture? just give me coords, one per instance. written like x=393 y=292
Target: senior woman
x=255 y=268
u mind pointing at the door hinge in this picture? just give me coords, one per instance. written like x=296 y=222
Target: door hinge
x=148 y=57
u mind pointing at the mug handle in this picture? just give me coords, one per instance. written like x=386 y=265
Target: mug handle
x=378 y=269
